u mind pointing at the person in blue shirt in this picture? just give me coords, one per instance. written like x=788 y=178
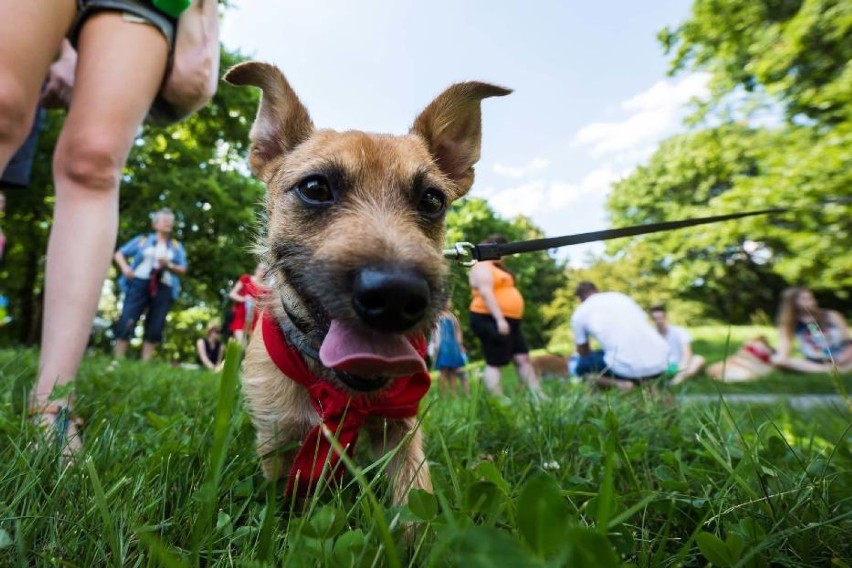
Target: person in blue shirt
x=150 y=281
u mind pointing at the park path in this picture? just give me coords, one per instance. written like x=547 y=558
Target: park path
x=797 y=401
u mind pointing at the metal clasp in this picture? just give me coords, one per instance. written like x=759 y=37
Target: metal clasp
x=462 y=253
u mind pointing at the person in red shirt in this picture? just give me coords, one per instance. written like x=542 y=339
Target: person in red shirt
x=245 y=295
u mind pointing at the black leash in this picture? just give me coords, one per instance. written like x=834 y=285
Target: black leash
x=468 y=254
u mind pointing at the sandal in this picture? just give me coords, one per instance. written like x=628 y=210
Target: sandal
x=57 y=418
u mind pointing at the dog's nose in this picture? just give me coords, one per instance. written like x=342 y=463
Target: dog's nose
x=390 y=299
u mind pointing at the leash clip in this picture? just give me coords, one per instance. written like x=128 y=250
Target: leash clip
x=462 y=253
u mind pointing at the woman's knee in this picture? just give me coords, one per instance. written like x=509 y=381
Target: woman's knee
x=90 y=160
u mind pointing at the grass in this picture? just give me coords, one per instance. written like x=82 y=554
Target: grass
x=168 y=477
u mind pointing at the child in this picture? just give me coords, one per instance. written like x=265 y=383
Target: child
x=449 y=351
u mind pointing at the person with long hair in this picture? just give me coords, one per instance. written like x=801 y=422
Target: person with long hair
x=495 y=316
x=822 y=335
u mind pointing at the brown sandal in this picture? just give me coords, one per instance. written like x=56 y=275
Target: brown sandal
x=57 y=417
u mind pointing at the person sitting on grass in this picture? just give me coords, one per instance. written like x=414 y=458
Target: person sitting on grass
x=683 y=363
x=632 y=352
x=210 y=349
x=822 y=335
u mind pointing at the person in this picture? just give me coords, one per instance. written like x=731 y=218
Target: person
x=245 y=294
x=683 y=363
x=632 y=350
x=151 y=282
x=120 y=50
x=822 y=335
x=210 y=349
x=496 y=311
x=447 y=344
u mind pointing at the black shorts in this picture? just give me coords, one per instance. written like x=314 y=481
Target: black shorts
x=498 y=349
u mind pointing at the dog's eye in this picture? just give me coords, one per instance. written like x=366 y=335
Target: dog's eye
x=315 y=190
x=432 y=203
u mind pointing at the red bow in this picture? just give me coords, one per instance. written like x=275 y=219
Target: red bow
x=341 y=413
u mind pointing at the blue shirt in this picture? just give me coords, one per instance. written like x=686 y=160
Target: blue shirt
x=134 y=249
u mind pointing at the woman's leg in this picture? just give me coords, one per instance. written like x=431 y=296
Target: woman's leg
x=136 y=301
x=155 y=321
x=493 y=380
x=526 y=373
x=119 y=71
x=31 y=34
x=803 y=366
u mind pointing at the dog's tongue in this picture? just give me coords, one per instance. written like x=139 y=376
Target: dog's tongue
x=369 y=354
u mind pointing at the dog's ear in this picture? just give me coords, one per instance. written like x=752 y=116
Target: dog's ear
x=282 y=121
x=452 y=127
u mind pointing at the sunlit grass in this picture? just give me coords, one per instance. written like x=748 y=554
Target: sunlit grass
x=168 y=477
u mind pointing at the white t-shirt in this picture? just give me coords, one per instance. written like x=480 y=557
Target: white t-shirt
x=677 y=337
x=632 y=346
x=150 y=256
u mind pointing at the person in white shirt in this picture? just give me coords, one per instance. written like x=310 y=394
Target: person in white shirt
x=683 y=363
x=633 y=351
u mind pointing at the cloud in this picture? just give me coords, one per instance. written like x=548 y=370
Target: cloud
x=536 y=164
x=550 y=196
x=653 y=114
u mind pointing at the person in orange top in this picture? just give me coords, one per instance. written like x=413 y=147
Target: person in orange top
x=495 y=316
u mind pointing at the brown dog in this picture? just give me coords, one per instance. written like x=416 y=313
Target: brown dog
x=750 y=362
x=355 y=236
x=550 y=365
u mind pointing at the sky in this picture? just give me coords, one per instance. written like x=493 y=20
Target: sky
x=591 y=98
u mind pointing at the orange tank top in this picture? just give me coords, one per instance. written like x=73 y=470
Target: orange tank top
x=508 y=297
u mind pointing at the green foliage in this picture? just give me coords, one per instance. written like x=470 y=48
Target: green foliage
x=538 y=275
x=797 y=51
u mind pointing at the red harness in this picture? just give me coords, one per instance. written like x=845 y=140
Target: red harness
x=341 y=413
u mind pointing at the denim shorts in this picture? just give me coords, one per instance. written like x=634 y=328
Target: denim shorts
x=137 y=10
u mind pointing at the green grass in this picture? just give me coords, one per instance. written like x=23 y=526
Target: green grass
x=168 y=477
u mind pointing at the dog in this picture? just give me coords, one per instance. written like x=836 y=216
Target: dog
x=550 y=365
x=356 y=225
x=750 y=362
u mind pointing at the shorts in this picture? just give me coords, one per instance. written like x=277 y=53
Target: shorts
x=594 y=364
x=498 y=349
x=143 y=12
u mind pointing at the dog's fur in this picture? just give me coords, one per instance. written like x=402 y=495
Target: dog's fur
x=378 y=181
x=550 y=365
x=743 y=365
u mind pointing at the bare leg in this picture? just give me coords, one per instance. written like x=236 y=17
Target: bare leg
x=121 y=348
x=240 y=336
x=493 y=380
x=32 y=33
x=693 y=367
x=526 y=373
x=119 y=71
x=803 y=366
x=147 y=350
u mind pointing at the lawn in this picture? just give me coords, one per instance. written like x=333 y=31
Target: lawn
x=168 y=477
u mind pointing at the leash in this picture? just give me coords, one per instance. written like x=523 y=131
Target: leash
x=468 y=254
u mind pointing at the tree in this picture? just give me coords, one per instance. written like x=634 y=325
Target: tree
x=796 y=51
x=794 y=56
